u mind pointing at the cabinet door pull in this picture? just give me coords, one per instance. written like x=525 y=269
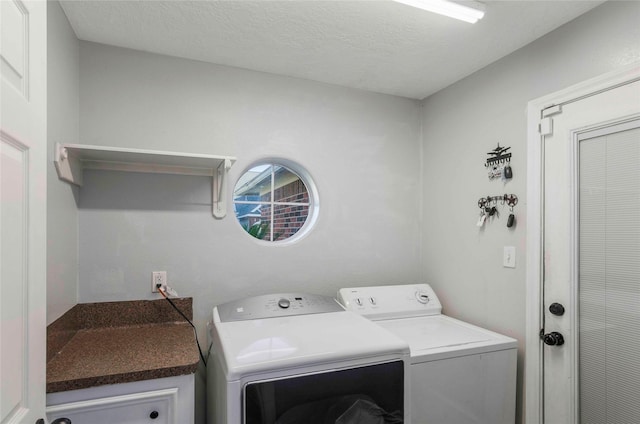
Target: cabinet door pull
x=153 y=415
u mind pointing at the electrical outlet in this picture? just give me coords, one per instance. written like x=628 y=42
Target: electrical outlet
x=158 y=277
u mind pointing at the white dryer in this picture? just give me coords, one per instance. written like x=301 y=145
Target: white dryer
x=300 y=358
x=460 y=373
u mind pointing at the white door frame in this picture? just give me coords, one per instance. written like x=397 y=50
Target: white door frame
x=533 y=350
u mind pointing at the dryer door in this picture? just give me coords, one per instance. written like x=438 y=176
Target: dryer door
x=331 y=396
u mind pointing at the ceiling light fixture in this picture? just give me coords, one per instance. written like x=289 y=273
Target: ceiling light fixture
x=469 y=11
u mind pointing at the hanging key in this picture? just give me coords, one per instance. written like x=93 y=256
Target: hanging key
x=508 y=172
x=512 y=218
x=481 y=220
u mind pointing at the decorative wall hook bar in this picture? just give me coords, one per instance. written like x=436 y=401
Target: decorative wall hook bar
x=498 y=159
x=510 y=199
x=489 y=208
x=498 y=155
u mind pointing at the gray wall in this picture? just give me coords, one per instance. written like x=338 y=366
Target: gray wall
x=468 y=119
x=63 y=113
x=362 y=150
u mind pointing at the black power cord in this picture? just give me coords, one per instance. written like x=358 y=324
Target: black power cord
x=187 y=319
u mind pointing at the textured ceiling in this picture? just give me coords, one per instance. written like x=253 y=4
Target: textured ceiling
x=380 y=46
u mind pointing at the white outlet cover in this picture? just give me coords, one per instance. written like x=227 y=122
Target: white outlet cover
x=158 y=277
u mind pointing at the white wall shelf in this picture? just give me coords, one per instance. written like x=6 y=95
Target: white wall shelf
x=72 y=159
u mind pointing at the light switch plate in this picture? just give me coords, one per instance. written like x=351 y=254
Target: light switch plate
x=509 y=257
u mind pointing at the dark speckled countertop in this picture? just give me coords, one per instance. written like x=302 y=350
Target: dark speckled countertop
x=119 y=342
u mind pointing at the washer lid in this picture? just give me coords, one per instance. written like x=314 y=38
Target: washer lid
x=272 y=344
x=439 y=333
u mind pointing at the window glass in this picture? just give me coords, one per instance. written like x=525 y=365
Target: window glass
x=272 y=202
x=289 y=187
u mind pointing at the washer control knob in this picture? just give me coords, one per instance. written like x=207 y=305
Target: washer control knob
x=359 y=301
x=422 y=297
x=284 y=303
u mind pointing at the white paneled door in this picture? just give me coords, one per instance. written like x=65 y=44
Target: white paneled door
x=591 y=296
x=23 y=194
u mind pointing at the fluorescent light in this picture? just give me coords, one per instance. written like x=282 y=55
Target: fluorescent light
x=470 y=11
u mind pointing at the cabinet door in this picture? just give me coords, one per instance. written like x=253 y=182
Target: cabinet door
x=157 y=407
x=23 y=192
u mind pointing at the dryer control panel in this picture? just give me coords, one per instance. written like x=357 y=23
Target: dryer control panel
x=383 y=302
x=276 y=305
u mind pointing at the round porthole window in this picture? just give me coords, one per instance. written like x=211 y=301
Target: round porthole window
x=275 y=201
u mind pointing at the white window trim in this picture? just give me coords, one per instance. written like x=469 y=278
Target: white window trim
x=312 y=204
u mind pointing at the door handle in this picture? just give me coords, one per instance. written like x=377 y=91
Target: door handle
x=553 y=339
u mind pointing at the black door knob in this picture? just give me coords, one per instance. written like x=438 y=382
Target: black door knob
x=556 y=309
x=154 y=415
x=553 y=339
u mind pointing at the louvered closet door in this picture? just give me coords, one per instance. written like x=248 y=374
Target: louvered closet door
x=609 y=277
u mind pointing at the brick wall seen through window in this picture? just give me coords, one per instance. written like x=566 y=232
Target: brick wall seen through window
x=271 y=202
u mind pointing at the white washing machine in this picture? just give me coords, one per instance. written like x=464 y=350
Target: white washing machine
x=460 y=373
x=301 y=359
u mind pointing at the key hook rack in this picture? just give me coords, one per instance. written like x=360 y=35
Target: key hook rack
x=489 y=210
x=509 y=199
x=498 y=155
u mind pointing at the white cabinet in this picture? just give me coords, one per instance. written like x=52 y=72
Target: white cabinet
x=161 y=401
x=136 y=408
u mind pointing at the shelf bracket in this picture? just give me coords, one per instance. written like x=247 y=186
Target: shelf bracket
x=219 y=186
x=68 y=166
